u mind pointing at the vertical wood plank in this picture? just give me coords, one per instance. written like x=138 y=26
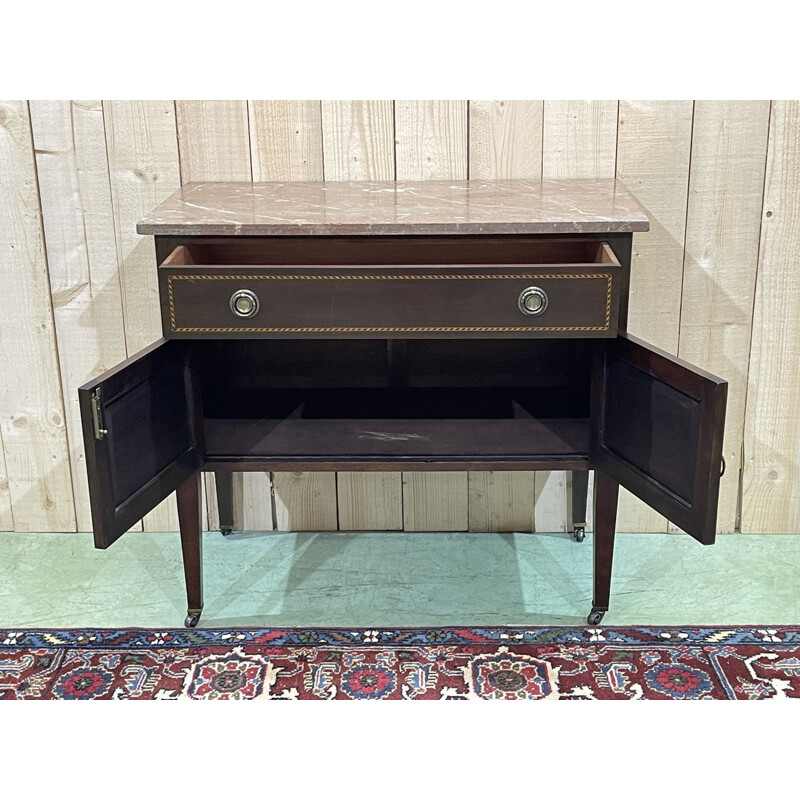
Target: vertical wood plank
x=435 y=501
x=286 y=140
x=358 y=140
x=143 y=170
x=653 y=154
x=505 y=138
x=579 y=140
x=78 y=219
x=214 y=145
x=551 y=511
x=252 y=501
x=653 y=162
x=34 y=434
x=431 y=137
x=501 y=501
x=6 y=514
x=305 y=501
x=213 y=140
x=723 y=225
x=505 y=141
x=771 y=481
x=370 y=501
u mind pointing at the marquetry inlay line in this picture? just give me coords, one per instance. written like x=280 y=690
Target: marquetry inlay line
x=426 y=329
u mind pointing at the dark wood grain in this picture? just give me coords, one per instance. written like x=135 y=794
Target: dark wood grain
x=190 y=518
x=580 y=492
x=381 y=353
x=622 y=246
x=224 y=486
x=153 y=441
x=389 y=250
x=396 y=440
x=657 y=428
x=606 y=495
x=400 y=464
x=406 y=302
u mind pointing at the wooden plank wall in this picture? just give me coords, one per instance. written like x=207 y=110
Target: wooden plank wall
x=713 y=281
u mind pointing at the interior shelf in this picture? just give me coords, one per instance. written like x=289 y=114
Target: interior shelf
x=469 y=425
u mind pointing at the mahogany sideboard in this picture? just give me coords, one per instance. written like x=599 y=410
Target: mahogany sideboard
x=438 y=325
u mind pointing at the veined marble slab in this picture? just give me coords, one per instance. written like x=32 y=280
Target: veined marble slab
x=388 y=207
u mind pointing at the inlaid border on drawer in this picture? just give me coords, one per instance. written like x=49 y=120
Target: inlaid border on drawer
x=394 y=329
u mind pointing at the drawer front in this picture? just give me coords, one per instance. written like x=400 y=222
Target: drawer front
x=390 y=302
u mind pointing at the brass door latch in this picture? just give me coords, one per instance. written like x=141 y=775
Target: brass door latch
x=97 y=415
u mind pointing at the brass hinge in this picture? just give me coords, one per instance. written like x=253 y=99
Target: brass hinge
x=97 y=415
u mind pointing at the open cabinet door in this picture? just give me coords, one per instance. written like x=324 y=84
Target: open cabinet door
x=140 y=432
x=657 y=427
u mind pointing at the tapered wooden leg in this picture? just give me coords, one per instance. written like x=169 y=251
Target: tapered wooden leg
x=189 y=517
x=606 y=494
x=580 y=491
x=224 y=483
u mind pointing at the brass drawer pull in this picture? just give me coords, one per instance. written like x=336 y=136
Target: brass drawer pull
x=244 y=303
x=533 y=301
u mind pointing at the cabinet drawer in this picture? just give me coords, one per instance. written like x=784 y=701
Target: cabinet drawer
x=389 y=301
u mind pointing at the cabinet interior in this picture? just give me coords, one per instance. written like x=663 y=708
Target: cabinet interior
x=422 y=398
x=389 y=250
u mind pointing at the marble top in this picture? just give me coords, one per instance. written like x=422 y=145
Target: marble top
x=388 y=207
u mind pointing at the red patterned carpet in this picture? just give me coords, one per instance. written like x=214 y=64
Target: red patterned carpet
x=402 y=664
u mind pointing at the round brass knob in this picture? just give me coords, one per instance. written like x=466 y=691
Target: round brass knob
x=244 y=303
x=533 y=301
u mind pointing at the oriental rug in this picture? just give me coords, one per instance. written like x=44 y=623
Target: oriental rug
x=662 y=663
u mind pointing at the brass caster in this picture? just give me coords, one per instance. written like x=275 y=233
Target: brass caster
x=596 y=617
x=192 y=618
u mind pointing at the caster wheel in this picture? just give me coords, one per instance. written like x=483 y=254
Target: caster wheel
x=596 y=617
x=579 y=534
x=192 y=618
x=226 y=531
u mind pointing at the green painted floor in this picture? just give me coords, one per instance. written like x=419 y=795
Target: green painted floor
x=396 y=579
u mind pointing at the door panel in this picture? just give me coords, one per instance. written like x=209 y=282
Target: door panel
x=657 y=428
x=141 y=436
